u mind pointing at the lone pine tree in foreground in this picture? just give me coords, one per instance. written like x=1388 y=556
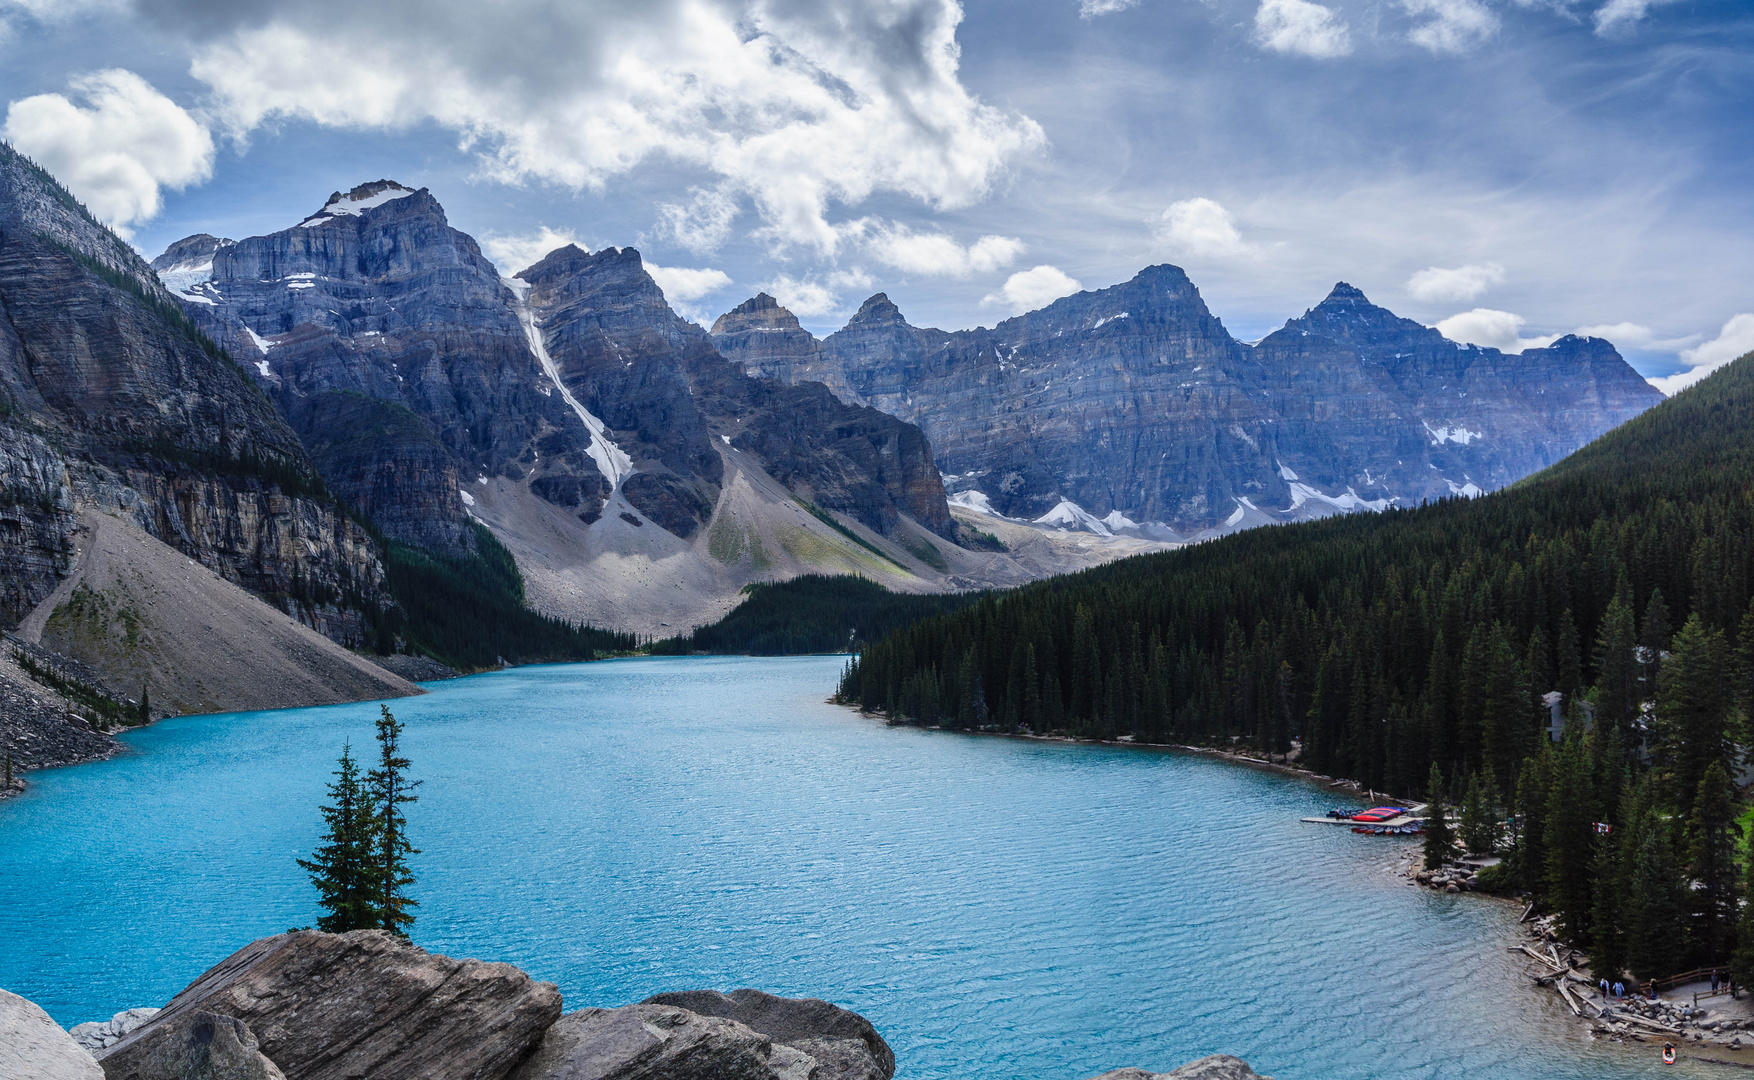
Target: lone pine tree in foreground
x=361 y=870
x=390 y=789
x=343 y=867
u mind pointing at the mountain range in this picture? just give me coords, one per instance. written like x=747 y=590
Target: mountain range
x=1133 y=410
x=361 y=421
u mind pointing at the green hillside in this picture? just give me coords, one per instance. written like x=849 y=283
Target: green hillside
x=1387 y=645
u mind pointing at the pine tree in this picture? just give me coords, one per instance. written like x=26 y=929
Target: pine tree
x=1479 y=825
x=1693 y=704
x=1742 y=962
x=1618 y=690
x=145 y=705
x=1712 y=832
x=1570 y=839
x=1656 y=918
x=390 y=791
x=344 y=868
x=1440 y=843
x=1608 y=920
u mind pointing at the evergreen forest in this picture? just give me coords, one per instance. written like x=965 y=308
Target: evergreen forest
x=814 y=613
x=1419 y=652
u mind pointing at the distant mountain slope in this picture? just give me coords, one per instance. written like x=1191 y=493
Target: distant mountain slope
x=1384 y=644
x=1132 y=409
x=638 y=478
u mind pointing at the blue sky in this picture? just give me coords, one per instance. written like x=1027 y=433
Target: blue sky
x=1507 y=170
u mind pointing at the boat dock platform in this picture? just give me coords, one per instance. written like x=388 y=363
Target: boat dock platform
x=1416 y=813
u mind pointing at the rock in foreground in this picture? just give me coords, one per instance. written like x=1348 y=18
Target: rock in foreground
x=362 y=1004
x=1216 y=1067
x=844 y=1044
x=32 y=1045
x=197 y=1046
x=659 y=1042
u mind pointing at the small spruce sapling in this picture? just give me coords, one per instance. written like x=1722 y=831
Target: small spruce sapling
x=344 y=868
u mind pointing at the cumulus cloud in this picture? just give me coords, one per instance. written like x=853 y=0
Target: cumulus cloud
x=512 y=253
x=1454 y=26
x=1090 y=9
x=938 y=255
x=1027 y=290
x=115 y=144
x=1435 y=283
x=796 y=106
x=683 y=286
x=1734 y=341
x=1200 y=228
x=1619 y=14
x=1499 y=330
x=806 y=298
x=703 y=224
x=1298 y=26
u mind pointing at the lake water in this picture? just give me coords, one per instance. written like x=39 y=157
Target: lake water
x=998 y=908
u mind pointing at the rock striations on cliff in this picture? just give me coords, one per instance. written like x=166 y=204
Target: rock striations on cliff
x=1132 y=409
x=113 y=403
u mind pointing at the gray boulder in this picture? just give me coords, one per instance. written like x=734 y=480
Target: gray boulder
x=33 y=1046
x=1216 y=1067
x=98 y=1035
x=659 y=1042
x=196 y=1046
x=366 y=1003
x=844 y=1044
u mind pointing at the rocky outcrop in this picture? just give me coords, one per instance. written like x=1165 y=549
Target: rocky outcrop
x=1216 y=1067
x=199 y=1046
x=843 y=1043
x=339 y=1006
x=33 y=1046
x=96 y=1036
x=1132 y=408
x=659 y=1042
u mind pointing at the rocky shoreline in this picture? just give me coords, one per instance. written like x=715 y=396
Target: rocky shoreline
x=307 y=1005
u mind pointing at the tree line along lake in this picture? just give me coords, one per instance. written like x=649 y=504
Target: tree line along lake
x=999 y=908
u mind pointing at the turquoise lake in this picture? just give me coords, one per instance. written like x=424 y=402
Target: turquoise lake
x=999 y=908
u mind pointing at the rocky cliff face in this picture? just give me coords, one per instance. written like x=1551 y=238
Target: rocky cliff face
x=419 y=381
x=1132 y=409
x=110 y=398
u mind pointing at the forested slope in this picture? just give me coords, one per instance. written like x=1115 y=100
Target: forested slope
x=1386 y=645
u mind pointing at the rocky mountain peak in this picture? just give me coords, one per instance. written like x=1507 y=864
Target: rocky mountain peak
x=190 y=250
x=360 y=199
x=878 y=310
x=760 y=313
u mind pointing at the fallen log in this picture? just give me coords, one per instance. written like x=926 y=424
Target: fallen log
x=1530 y=910
x=1634 y=1018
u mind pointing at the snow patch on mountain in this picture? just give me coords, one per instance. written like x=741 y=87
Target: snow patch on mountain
x=1468 y=489
x=612 y=461
x=1349 y=500
x=1068 y=515
x=976 y=501
x=1459 y=435
x=357 y=201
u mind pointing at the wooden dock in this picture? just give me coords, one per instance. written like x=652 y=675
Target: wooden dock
x=1416 y=813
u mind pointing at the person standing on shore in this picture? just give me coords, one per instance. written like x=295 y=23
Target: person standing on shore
x=1604 y=989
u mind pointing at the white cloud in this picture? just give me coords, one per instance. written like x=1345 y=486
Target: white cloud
x=684 y=286
x=1499 y=330
x=524 y=250
x=1435 y=283
x=796 y=106
x=1200 y=228
x=703 y=224
x=1090 y=9
x=115 y=146
x=1455 y=25
x=1616 y=14
x=1734 y=341
x=1298 y=26
x=1633 y=335
x=806 y=298
x=1027 y=290
x=938 y=255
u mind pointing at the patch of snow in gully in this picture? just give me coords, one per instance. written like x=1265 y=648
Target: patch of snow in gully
x=612 y=461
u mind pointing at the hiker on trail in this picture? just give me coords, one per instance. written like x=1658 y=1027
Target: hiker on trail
x=1604 y=989
x=1714 y=982
x=1619 y=990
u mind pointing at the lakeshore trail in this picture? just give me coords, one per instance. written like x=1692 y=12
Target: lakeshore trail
x=999 y=908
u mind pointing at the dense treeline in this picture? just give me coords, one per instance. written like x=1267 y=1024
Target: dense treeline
x=1412 y=651
x=469 y=613
x=815 y=613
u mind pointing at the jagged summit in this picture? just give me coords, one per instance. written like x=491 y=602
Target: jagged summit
x=877 y=310
x=360 y=199
x=760 y=313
